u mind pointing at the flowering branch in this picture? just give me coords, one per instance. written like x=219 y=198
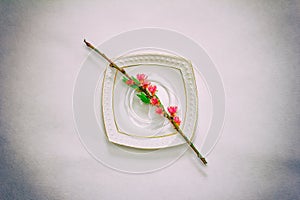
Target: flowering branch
x=147 y=94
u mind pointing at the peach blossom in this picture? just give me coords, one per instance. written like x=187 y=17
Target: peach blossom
x=141 y=77
x=159 y=110
x=177 y=120
x=154 y=101
x=172 y=110
x=152 y=89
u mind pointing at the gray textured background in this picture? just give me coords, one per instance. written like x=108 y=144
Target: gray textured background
x=256 y=47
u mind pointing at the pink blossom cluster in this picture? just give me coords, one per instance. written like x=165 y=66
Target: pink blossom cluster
x=172 y=110
x=152 y=89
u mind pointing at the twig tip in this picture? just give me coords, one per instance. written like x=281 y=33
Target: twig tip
x=87 y=43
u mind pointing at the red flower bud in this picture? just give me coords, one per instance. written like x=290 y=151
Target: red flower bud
x=177 y=120
x=172 y=110
x=129 y=82
x=154 y=101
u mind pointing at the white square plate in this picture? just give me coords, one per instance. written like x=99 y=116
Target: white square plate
x=130 y=122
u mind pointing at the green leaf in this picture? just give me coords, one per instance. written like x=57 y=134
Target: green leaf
x=143 y=97
x=124 y=79
x=134 y=86
x=135 y=80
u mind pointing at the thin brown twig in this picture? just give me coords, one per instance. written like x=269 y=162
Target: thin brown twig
x=169 y=117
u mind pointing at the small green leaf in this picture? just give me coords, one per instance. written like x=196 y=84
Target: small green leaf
x=143 y=97
x=134 y=86
x=124 y=79
x=135 y=80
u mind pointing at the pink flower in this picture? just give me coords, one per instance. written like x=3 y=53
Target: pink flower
x=172 y=110
x=177 y=120
x=129 y=82
x=154 y=101
x=159 y=110
x=152 y=89
x=143 y=80
x=141 y=77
